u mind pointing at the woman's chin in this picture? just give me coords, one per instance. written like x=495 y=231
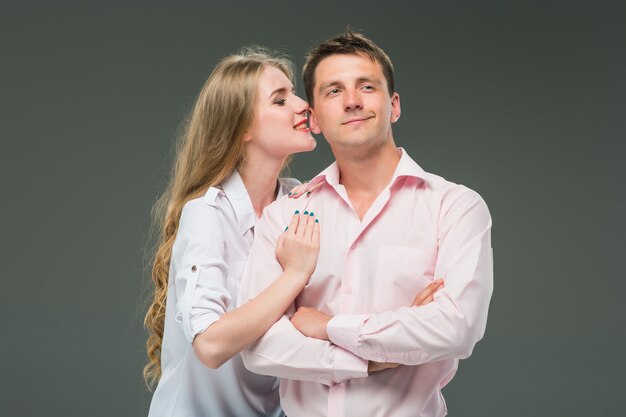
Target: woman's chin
x=309 y=144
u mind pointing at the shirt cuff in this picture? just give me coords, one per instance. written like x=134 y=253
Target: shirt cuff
x=343 y=330
x=194 y=326
x=347 y=366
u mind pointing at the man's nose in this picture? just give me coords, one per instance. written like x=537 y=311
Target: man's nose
x=352 y=101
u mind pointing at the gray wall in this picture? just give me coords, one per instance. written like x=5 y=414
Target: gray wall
x=524 y=102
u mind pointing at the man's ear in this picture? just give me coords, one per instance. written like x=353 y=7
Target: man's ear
x=395 y=107
x=315 y=128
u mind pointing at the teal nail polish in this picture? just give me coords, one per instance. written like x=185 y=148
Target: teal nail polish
x=289 y=193
x=308 y=193
x=286 y=228
x=305 y=212
x=311 y=214
x=297 y=212
x=317 y=220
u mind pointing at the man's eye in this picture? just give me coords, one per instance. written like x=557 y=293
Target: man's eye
x=333 y=91
x=368 y=87
x=280 y=102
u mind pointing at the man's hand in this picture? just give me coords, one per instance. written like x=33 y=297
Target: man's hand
x=428 y=294
x=311 y=323
x=423 y=298
x=380 y=366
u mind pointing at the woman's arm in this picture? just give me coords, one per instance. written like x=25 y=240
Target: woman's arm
x=297 y=251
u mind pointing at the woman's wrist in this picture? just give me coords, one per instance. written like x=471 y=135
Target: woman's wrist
x=297 y=276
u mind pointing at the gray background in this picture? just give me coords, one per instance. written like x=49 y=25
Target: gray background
x=524 y=102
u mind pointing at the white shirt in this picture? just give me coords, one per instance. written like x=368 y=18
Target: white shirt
x=210 y=251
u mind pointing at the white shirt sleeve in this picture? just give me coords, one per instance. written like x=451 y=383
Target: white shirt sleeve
x=199 y=268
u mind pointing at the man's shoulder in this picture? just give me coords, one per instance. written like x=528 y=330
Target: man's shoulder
x=449 y=191
x=427 y=180
x=440 y=184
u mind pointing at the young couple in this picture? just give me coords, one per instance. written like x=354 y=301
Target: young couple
x=335 y=293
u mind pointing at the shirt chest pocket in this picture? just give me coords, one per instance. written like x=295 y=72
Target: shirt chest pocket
x=401 y=273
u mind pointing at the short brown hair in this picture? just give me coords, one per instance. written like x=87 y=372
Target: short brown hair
x=347 y=43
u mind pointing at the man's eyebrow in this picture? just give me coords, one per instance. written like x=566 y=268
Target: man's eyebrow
x=328 y=84
x=368 y=79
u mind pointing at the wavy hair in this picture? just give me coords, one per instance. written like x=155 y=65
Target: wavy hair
x=208 y=150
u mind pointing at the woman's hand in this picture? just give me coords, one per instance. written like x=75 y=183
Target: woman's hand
x=304 y=188
x=298 y=247
x=296 y=251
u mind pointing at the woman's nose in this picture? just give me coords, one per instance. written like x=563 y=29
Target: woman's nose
x=302 y=106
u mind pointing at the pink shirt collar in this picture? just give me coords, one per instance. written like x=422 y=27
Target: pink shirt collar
x=406 y=167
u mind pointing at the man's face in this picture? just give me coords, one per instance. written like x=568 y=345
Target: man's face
x=352 y=105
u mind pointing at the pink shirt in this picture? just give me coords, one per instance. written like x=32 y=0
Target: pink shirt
x=420 y=227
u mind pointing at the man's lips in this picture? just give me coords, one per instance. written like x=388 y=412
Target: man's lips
x=357 y=120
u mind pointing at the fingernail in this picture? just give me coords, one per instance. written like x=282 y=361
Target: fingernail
x=317 y=220
x=308 y=193
x=305 y=212
x=296 y=193
x=286 y=228
x=297 y=212
x=311 y=213
x=290 y=193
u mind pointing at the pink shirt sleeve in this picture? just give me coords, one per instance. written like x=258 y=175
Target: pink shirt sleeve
x=283 y=351
x=450 y=326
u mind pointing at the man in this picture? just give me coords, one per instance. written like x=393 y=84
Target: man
x=356 y=346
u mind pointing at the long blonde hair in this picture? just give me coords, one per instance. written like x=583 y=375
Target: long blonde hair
x=207 y=152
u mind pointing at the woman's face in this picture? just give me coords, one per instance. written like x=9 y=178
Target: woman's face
x=279 y=127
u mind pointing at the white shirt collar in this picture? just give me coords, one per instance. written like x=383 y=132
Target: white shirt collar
x=235 y=191
x=238 y=196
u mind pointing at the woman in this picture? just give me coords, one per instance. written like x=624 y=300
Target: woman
x=245 y=124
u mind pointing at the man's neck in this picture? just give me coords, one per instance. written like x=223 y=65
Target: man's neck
x=366 y=175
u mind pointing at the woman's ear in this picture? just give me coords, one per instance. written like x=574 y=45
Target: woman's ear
x=247 y=137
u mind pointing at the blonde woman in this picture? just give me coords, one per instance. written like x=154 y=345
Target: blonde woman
x=245 y=124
